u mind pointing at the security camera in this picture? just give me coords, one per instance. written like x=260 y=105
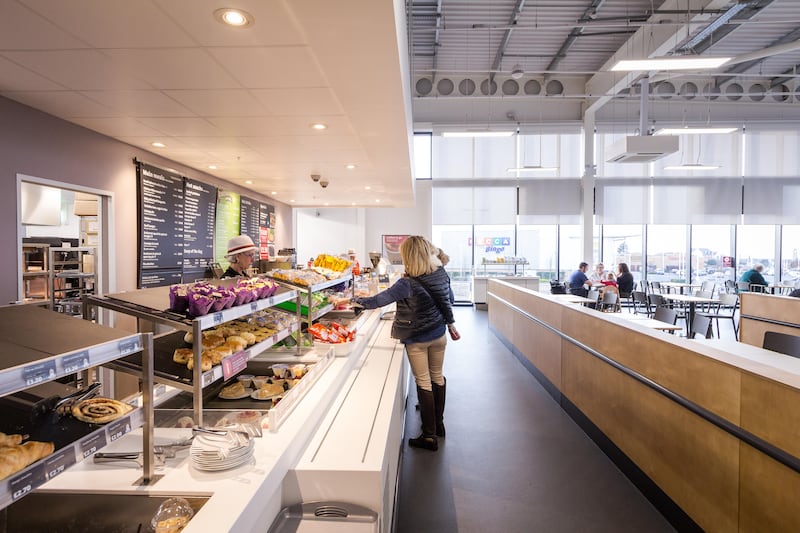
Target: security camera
x=324 y=184
x=315 y=177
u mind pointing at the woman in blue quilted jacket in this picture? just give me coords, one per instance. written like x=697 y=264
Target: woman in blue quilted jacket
x=423 y=316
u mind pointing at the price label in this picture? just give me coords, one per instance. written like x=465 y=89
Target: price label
x=25 y=482
x=129 y=346
x=208 y=378
x=91 y=444
x=254 y=306
x=75 y=362
x=118 y=429
x=218 y=318
x=234 y=364
x=58 y=462
x=39 y=372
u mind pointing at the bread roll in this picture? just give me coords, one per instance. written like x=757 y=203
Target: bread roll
x=182 y=355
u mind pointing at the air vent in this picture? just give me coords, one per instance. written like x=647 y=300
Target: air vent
x=642 y=148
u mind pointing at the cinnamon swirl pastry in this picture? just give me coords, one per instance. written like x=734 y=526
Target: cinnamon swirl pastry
x=100 y=410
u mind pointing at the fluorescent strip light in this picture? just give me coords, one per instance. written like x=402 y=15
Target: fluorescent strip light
x=671 y=63
x=532 y=169
x=692 y=166
x=693 y=131
x=482 y=133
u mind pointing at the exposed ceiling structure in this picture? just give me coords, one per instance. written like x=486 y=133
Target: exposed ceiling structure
x=242 y=99
x=541 y=61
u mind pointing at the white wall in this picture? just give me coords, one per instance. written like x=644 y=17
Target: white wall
x=334 y=230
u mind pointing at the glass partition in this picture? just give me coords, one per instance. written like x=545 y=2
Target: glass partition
x=623 y=244
x=756 y=244
x=667 y=258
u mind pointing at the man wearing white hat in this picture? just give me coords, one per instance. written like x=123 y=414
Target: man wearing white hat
x=241 y=253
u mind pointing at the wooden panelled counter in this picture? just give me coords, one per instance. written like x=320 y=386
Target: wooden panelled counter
x=766 y=312
x=698 y=419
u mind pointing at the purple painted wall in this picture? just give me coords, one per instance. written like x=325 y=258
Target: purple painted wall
x=37 y=144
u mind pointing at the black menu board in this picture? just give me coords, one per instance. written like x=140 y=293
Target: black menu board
x=199 y=209
x=159 y=278
x=249 y=221
x=160 y=218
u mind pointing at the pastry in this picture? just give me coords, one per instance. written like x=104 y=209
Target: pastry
x=9 y=440
x=182 y=355
x=236 y=342
x=188 y=338
x=236 y=390
x=249 y=337
x=185 y=422
x=100 y=410
x=205 y=365
x=270 y=389
x=212 y=341
x=15 y=458
x=218 y=354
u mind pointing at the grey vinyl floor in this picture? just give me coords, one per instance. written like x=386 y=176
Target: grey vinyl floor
x=513 y=460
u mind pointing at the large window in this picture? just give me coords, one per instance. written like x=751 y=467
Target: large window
x=790 y=262
x=711 y=246
x=570 y=250
x=623 y=244
x=756 y=244
x=666 y=253
x=456 y=241
x=495 y=246
x=539 y=245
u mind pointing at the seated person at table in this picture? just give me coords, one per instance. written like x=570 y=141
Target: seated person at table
x=753 y=276
x=609 y=284
x=795 y=293
x=600 y=274
x=578 y=279
x=625 y=281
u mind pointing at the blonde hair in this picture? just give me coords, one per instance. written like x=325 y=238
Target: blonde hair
x=443 y=257
x=419 y=256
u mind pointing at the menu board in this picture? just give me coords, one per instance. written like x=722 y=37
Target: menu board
x=159 y=278
x=227 y=224
x=249 y=218
x=199 y=213
x=160 y=218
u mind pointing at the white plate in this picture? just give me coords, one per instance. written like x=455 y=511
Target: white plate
x=255 y=396
x=247 y=392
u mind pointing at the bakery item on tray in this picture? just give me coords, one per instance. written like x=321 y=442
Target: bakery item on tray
x=236 y=342
x=234 y=391
x=10 y=440
x=205 y=365
x=270 y=389
x=100 y=410
x=182 y=355
x=212 y=340
x=248 y=336
x=218 y=354
x=16 y=457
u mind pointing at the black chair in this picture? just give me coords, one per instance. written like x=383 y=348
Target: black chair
x=726 y=308
x=665 y=314
x=610 y=302
x=782 y=343
x=640 y=303
x=701 y=325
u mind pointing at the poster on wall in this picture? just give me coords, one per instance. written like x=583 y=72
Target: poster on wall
x=227 y=224
x=199 y=213
x=391 y=248
x=160 y=221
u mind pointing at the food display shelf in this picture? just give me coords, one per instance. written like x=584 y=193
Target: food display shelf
x=152 y=305
x=169 y=372
x=74 y=441
x=28 y=359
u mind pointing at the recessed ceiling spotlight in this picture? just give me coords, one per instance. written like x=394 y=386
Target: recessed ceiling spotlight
x=248 y=182
x=378 y=200
x=274 y=193
x=292 y=201
x=350 y=166
x=367 y=187
x=212 y=167
x=353 y=203
x=158 y=145
x=318 y=126
x=327 y=203
x=234 y=17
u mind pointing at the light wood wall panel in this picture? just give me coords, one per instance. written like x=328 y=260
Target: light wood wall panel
x=780 y=308
x=769 y=494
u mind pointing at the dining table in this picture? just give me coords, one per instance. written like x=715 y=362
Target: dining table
x=692 y=302
x=680 y=287
x=646 y=321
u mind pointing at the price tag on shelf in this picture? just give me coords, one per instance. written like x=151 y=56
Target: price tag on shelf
x=39 y=372
x=58 y=462
x=75 y=362
x=254 y=306
x=91 y=444
x=218 y=318
x=25 y=482
x=129 y=346
x=118 y=428
x=234 y=364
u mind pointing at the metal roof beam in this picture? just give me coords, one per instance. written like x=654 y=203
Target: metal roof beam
x=515 y=14
x=588 y=13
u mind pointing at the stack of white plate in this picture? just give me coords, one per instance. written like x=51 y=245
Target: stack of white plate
x=213 y=452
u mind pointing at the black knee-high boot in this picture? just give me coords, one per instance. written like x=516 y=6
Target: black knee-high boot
x=439 y=394
x=428 y=414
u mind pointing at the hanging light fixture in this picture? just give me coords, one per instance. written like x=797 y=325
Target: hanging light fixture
x=531 y=168
x=693 y=166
